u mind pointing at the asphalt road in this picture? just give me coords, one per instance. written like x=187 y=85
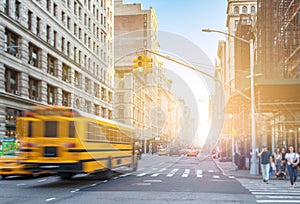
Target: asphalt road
x=159 y=179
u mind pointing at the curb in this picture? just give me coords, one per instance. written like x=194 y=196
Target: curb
x=233 y=174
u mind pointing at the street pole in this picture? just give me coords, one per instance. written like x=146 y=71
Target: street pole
x=253 y=167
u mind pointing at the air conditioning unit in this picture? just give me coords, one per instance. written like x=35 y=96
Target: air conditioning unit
x=31 y=62
x=49 y=41
x=18 y=55
x=17 y=92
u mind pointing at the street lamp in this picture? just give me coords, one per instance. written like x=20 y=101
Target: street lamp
x=253 y=167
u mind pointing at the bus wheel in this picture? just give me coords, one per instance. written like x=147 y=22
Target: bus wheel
x=66 y=176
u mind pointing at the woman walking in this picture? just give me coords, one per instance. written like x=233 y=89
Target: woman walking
x=292 y=162
x=277 y=157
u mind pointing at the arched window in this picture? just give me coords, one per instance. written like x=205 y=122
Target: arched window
x=236 y=10
x=244 y=9
x=252 y=9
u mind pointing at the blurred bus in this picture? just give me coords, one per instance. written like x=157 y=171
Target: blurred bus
x=70 y=142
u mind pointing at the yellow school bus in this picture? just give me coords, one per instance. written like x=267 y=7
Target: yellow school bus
x=70 y=142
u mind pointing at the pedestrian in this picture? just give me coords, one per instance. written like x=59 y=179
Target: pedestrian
x=277 y=160
x=266 y=157
x=292 y=164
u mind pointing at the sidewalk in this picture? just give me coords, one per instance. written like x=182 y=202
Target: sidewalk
x=227 y=169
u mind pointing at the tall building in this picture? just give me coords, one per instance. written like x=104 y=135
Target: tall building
x=55 y=52
x=236 y=9
x=141 y=98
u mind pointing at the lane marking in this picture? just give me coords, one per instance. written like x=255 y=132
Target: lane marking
x=215 y=176
x=142 y=174
x=49 y=199
x=210 y=171
x=41 y=180
x=21 y=184
x=152 y=181
x=141 y=184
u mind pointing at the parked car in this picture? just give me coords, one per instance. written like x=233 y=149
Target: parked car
x=174 y=151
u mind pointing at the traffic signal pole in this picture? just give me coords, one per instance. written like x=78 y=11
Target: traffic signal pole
x=197 y=70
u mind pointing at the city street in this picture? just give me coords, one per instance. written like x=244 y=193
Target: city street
x=159 y=179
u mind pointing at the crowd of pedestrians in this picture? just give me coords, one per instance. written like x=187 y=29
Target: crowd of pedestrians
x=279 y=163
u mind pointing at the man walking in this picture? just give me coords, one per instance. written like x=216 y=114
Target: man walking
x=265 y=155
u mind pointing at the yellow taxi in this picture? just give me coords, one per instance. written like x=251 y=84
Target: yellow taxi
x=191 y=153
x=162 y=151
x=12 y=165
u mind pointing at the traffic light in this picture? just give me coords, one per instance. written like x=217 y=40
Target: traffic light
x=143 y=64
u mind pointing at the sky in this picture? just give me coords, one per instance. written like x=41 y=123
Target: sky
x=180 y=23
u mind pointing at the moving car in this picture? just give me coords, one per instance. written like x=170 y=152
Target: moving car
x=174 y=151
x=162 y=151
x=191 y=152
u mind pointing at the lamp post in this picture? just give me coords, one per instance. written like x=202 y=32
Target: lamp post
x=253 y=167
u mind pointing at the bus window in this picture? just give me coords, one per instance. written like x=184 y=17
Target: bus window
x=50 y=129
x=71 y=129
x=29 y=129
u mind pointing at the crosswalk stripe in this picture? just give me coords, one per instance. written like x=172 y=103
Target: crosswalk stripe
x=199 y=173
x=186 y=173
x=172 y=172
x=274 y=192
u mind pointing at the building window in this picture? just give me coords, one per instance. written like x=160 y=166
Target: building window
x=75 y=54
x=236 y=22
x=87 y=106
x=96 y=90
x=33 y=55
x=10 y=119
x=103 y=94
x=252 y=9
x=65 y=98
x=52 y=64
x=11 y=42
x=48 y=5
x=38 y=26
x=11 y=81
x=29 y=20
x=102 y=112
x=96 y=110
x=54 y=10
x=68 y=48
x=69 y=23
x=109 y=112
x=236 y=10
x=17 y=9
x=66 y=70
x=6 y=6
x=121 y=98
x=54 y=38
x=109 y=96
x=63 y=44
x=244 y=10
x=48 y=34
x=87 y=87
x=33 y=89
x=51 y=94
x=77 y=79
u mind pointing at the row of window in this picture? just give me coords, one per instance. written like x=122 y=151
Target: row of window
x=11 y=81
x=11 y=42
x=65 y=46
x=236 y=10
x=96 y=132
